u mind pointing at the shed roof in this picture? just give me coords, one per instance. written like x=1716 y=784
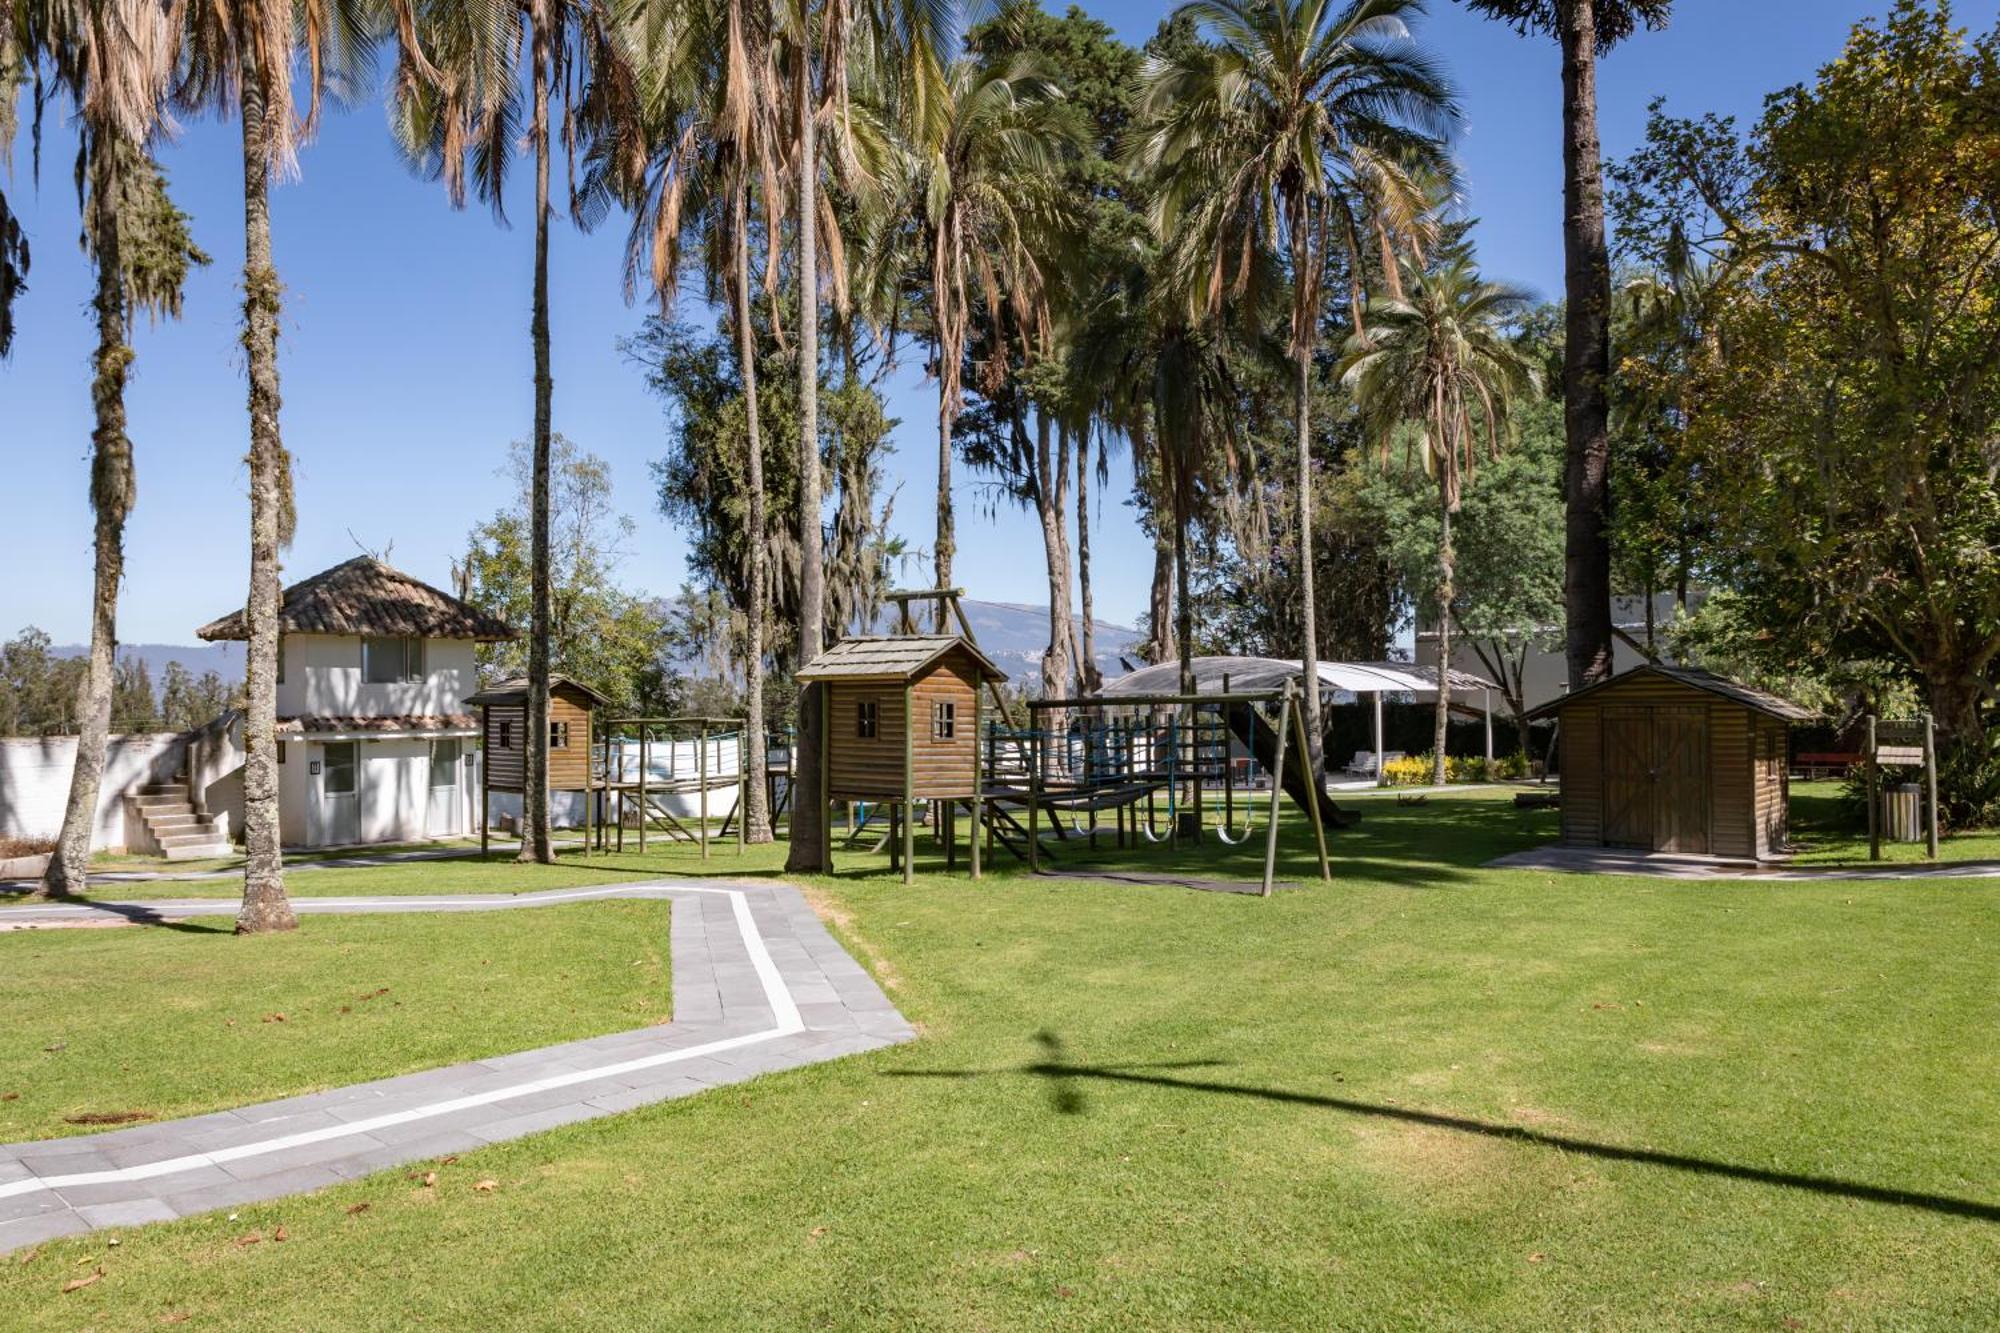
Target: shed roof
x=897 y=657
x=365 y=596
x=514 y=690
x=1762 y=701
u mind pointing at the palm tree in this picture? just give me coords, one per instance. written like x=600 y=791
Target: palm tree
x=1586 y=29
x=983 y=154
x=460 y=100
x=1437 y=369
x=700 y=70
x=112 y=60
x=14 y=257
x=1278 y=134
x=241 y=59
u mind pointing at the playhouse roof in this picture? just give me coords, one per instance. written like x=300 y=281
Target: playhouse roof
x=365 y=596
x=514 y=690
x=893 y=657
x=1763 y=701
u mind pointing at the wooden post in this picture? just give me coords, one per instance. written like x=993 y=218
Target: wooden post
x=1930 y=780
x=485 y=782
x=909 y=781
x=1312 y=782
x=978 y=788
x=826 y=776
x=742 y=789
x=701 y=776
x=1872 y=784
x=1034 y=810
x=644 y=809
x=1277 y=789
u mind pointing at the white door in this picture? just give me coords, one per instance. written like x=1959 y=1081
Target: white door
x=441 y=818
x=339 y=818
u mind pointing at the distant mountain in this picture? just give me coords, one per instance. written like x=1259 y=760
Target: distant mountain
x=224 y=659
x=1015 y=634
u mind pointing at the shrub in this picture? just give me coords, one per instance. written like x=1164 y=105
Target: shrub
x=1415 y=770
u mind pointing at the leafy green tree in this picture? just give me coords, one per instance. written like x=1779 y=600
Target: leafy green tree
x=188 y=701
x=1507 y=540
x=599 y=633
x=1585 y=30
x=1437 y=374
x=38 y=690
x=1849 y=400
x=133 y=705
x=1290 y=127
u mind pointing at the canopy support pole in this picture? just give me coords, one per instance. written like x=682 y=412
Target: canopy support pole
x=1379 y=777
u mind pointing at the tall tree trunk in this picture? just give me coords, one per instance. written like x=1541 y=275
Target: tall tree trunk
x=1089 y=678
x=537 y=845
x=1308 y=599
x=112 y=491
x=1160 y=597
x=1392 y=274
x=1445 y=592
x=1051 y=504
x=809 y=795
x=1586 y=357
x=1183 y=601
x=757 y=814
x=946 y=538
x=265 y=907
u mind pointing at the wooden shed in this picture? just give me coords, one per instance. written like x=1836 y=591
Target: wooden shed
x=503 y=738
x=1675 y=759
x=902 y=721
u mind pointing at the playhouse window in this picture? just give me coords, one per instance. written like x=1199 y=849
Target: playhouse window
x=558 y=735
x=506 y=735
x=944 y=720
x=867 y=718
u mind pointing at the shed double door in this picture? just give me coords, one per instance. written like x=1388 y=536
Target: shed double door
x=1656 y=777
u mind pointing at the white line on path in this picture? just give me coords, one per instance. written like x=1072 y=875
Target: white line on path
x=784 y=1009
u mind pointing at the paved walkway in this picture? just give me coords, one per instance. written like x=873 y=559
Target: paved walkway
x=759 y=985
x=1612 y=861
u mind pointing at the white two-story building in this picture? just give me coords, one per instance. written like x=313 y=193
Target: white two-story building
x=375 y=742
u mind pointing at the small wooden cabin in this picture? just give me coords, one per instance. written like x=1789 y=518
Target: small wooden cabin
x=902 y=719
x=1675 y=759
x=503 y=737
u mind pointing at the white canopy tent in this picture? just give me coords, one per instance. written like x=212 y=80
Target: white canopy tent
x=1218 y=675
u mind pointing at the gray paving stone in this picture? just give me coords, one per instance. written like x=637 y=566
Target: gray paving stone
x=131 y=1213
x=718 y=994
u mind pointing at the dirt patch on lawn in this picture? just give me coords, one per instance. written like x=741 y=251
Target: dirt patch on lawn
x=1434 y=1160
x=842 y=920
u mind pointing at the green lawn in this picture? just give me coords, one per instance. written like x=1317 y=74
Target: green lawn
x=182 y=1020
x=1428 y=1095
x=1827 y=836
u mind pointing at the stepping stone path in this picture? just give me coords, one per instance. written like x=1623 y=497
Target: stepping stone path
x=759 y=986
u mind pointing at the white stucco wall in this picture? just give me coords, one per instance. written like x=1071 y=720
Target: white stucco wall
x=35 y=775
x=323 y=678
x=392 y=794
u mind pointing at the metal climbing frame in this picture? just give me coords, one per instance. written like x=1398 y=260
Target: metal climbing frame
x=1130 y=754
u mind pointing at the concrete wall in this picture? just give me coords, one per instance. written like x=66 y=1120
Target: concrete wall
x=323 y=677
x=35 y=774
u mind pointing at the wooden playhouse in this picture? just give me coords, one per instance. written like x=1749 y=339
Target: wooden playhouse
x=902 y=724
x=503 y=738
x=1675 y=759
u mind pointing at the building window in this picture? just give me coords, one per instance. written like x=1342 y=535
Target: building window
x=340 y=768
x=867 y=719
x=944 y=720
x=558 y=735
x=392 y=661
x=281 y=752
x=281 y=663
x=444 y=763
x=506 y=741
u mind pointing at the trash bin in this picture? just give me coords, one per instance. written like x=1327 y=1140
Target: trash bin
x=1902 y=812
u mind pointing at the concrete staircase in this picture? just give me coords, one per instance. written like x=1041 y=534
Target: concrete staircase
x=170 y=821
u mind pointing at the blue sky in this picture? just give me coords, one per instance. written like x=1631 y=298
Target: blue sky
x=405 y=353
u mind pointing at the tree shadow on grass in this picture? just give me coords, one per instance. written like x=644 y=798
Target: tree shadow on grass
x=1067 y=1081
